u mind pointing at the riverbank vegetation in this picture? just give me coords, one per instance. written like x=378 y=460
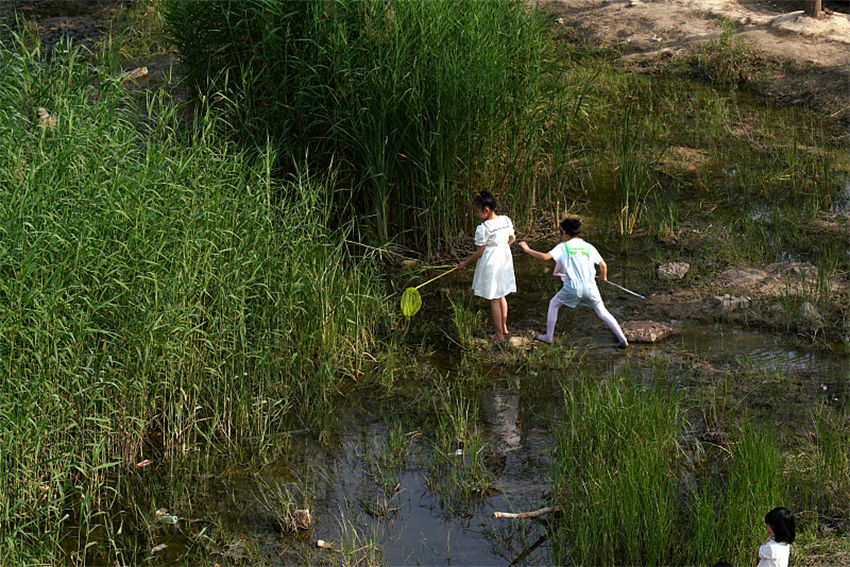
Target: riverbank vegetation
x=415 y=102
x=163 y=294
x=191 y=287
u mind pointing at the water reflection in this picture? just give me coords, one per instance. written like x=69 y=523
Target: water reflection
x=500 y=411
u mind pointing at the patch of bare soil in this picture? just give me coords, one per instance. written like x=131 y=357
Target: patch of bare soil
x=810 y=58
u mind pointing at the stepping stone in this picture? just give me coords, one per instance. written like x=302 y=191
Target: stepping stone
x=646 y=331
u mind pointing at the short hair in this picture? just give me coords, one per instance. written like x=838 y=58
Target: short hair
x=782 y=522
x=722 y=564
x=485 y=199
x=572 y=227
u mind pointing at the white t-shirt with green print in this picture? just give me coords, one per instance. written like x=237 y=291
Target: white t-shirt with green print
x=575 y=260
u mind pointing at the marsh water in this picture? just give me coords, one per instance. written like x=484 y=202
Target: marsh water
x=413 y=523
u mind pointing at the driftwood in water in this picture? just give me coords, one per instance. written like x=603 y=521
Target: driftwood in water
x=533 y=514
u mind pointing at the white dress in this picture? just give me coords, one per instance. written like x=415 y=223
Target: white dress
x=494 y=272
x=774 y=554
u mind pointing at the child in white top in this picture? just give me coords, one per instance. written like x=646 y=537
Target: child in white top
x=781 y=532
x=494 y=272
x=576 y=262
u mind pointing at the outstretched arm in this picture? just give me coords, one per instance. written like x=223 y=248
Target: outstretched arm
x=603 y=271
x=545 y=256
x=477 y=254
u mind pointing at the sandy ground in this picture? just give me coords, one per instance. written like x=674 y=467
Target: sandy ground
x=811 y=57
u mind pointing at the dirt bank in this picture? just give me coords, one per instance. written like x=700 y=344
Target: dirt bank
x=809 y=58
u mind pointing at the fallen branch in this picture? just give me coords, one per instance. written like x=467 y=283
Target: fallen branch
x=533 y=514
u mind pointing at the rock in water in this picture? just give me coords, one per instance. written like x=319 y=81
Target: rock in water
x=645 y=331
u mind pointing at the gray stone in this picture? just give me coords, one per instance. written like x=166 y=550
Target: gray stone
x=673 y=270
x=645 y=331
x=730 y=303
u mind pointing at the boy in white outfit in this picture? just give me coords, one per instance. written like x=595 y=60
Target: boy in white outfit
x=575 y=263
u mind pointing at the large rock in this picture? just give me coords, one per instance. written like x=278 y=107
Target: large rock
x=646 y=331
x=673 y=270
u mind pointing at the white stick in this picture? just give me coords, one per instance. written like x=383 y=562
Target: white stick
x=539 y=512
x=618 y=286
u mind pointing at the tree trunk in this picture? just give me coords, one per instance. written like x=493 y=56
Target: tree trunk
x=813 y=8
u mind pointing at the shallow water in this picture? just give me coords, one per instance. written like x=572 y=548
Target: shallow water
x=515 y=414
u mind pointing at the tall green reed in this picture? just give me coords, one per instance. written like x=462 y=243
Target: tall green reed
x=635 y=180
x=830 y=494
x=157 y=284
x=457 y=473
x=421 y=103
x=614 y=474
x=727 y=510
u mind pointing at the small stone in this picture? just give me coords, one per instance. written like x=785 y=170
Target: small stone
x=134 y=74
x=673 y=270
x=730 y=303
x=517 y=342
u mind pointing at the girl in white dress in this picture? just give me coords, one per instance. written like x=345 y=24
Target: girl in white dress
x=494 y=272
x=780 y=535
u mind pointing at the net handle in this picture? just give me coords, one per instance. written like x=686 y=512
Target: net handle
x=436 y=277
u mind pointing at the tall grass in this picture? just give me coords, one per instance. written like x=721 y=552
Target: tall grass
x=727 y=514
x=614 y=474
x=726 y=61
x=162 y=295
x=635 y=176
x=422 y=103
x=830 y=491
x=632 y=494
x=457 y=473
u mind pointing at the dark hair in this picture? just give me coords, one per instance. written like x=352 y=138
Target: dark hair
x=782 y=522
x=722 y=564
x=571 y=226
x=485 y=199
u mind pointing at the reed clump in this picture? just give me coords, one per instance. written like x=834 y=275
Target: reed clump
x=162 y=295
x=612 y=474
x=417 y=102
x=457 y=473
x=726 y=61
x=641 y=483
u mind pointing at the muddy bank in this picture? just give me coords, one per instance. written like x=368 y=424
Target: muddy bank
x=806 y=60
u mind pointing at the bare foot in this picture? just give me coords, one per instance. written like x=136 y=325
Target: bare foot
x=543 y=339
x=496 y=337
